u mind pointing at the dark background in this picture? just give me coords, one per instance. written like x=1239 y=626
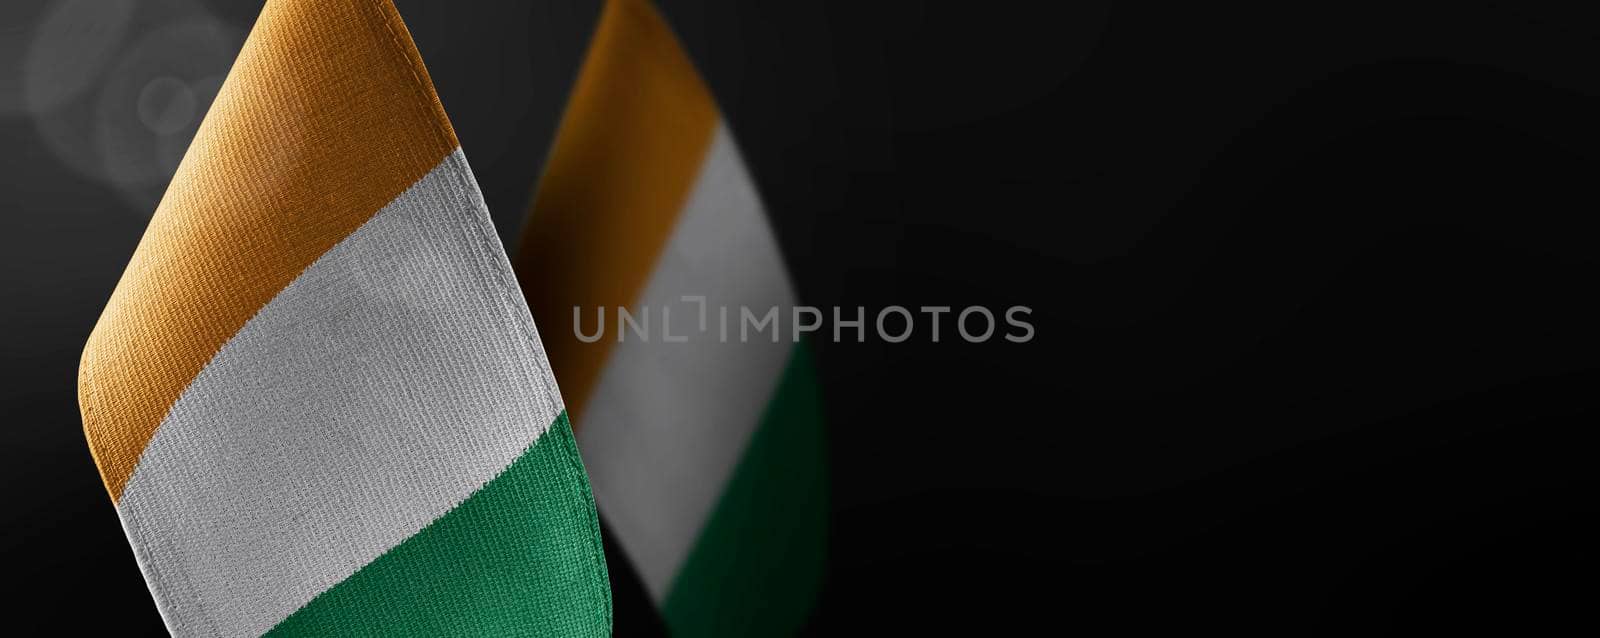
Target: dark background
x=1312 y=285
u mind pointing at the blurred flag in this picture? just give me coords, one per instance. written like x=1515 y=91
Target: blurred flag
x=706 y=454
x=316 y=396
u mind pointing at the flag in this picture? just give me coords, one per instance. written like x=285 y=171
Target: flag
x=704 y=441
x=316 y=396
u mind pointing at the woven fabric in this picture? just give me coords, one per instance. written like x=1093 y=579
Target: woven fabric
x=355 y=429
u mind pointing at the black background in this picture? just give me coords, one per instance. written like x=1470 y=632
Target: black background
x=1312 y=286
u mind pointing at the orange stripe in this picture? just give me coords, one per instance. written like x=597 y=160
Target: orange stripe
x=327 y=115
x=626 y=155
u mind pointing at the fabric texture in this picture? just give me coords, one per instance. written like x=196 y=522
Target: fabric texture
x=356 y=431
x=295 y=153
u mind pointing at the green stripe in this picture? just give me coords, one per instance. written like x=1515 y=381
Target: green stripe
x=520 y=557
x=758 y=563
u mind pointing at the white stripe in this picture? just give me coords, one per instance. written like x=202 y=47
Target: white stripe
x=668 y=421
x=393 y=378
